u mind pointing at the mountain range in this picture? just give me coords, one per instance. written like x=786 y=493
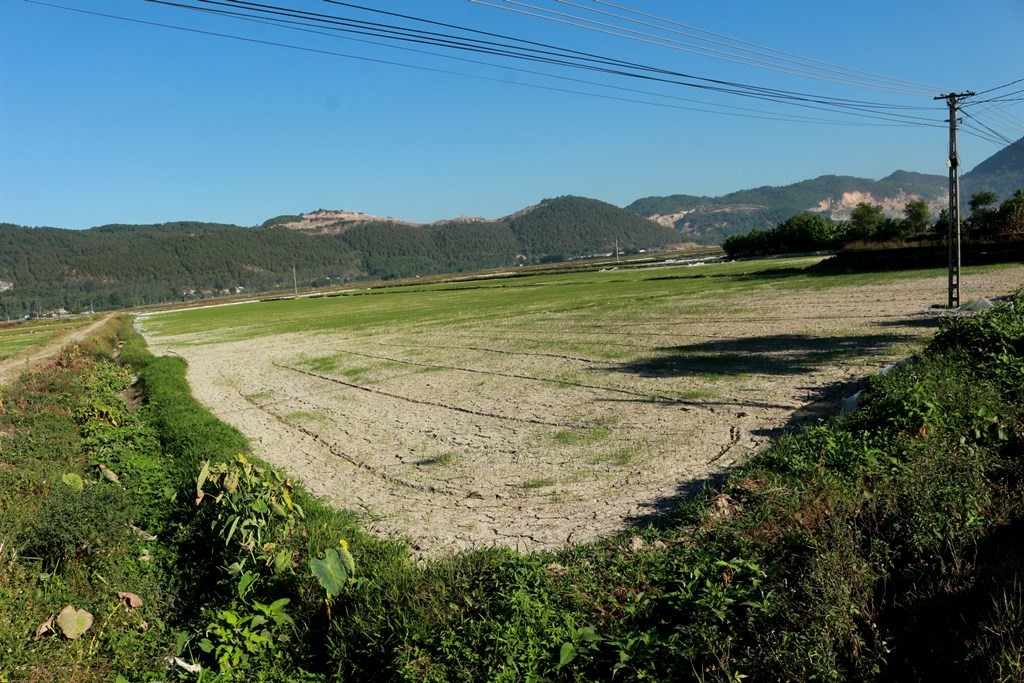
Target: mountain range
x=117 y=265
x=709 y=219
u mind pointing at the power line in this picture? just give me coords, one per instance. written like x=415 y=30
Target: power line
x=561 y=57
x=871 y=76
x=542 y=53
x=457 y=73
x=995 y=133
x=784 y=65
x=1000 y=87
x=994 y=111
x=745 y=112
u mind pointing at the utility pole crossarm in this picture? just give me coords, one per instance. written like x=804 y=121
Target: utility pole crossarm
x=953 y=99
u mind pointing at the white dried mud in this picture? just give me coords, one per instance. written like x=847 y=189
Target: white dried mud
x=530 y=438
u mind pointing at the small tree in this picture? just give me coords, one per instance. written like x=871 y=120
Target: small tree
x=984 y=217
x=1010 y=217
x=866 y=221
x=916 y=215
x=941 y=225
x=804 y=232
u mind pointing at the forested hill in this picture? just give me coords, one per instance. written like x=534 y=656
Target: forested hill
x=573 y=226
x=711 y=218
x=1002 y=173
x=123 y=265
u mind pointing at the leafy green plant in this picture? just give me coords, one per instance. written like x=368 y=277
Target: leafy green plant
x=254 y=508
x=584 y=641
x=240 y=638
x=73 y=523
x=333 y=571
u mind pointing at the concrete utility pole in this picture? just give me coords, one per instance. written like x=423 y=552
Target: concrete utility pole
x=952 y=99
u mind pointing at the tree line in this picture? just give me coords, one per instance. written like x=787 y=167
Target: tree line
x=115 y=266
x=807 y=231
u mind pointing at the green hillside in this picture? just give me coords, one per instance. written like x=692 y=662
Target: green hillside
x=124 y=265
x=1002 y=173
x=711 y=218
x=576 y=226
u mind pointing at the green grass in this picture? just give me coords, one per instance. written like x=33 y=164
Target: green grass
x=307 y=416
x=573 y=299
x=18 y=337
x=581 y=437
x=538 y=483
x=621 y=456
x=440 y=460
x=11 y=344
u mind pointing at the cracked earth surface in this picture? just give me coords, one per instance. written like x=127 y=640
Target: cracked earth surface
x=495 y=434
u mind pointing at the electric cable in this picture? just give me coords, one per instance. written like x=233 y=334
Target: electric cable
x=837 y=77
x=827 y=65
x=706 y=83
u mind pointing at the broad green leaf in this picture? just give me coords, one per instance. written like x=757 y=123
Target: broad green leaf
x=347 y=561
x=566 y=654
x=74 y=622
x=245 y=582
x=180 y=641
x=231 y=532
x=331 y=572
x=282 y=561
x=73 y=480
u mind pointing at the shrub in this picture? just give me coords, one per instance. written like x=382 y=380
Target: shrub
x=75 y=524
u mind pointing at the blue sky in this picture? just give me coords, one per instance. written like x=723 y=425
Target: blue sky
x=104 y=120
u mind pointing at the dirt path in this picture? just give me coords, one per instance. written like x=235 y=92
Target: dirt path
x=560 y=431
x=32 y=357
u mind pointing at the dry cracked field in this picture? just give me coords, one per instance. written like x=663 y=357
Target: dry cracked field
x=538 y=412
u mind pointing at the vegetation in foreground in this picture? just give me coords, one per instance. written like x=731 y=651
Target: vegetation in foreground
x=885 y=545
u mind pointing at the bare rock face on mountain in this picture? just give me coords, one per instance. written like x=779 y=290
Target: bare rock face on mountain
x=328 y=222
x=710 y=219
x=839 y=208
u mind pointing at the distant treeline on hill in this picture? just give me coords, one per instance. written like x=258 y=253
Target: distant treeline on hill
x=126 y=265
x=868 y=223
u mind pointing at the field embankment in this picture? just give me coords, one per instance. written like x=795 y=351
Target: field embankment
x=880 y=546
x=538 y=412
x=25 y=345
